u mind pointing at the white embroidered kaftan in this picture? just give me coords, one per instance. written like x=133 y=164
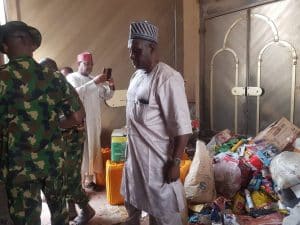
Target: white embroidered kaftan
x=156 y=112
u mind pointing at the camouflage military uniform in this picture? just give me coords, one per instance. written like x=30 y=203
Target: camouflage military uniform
x=74 y=140
x=31 y=98
x=4 y=215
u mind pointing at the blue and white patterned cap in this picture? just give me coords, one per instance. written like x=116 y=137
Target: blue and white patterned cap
x=143 y=30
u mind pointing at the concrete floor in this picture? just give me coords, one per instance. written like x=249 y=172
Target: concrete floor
x=106 y=214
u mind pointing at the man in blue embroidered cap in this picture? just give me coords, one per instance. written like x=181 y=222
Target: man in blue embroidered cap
x=159 y=126
x=143 y=30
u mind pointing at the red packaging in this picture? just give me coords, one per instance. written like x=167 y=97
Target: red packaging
x=256 y=162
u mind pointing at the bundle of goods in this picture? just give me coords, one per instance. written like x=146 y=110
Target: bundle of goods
x=256 y=180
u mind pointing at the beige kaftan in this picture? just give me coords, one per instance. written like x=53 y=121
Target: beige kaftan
x=156 y=112
x=91 y=96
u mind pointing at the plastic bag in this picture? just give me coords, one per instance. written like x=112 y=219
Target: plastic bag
x=285 y=169
x=227 y=177
x=294 y=217
x=219 y=139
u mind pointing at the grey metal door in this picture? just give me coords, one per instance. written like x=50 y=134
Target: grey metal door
x=251 y=67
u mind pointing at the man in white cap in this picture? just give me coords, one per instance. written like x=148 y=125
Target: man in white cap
x=159 y=125
x=91 y=90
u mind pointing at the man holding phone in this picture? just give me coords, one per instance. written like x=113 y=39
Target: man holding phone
x=91 y=90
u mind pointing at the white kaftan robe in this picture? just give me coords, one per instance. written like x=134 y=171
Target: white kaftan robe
x=156 y=112
x=91 y=96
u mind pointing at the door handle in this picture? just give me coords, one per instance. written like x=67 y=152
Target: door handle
x=254 y=91
x=247 y=91
x=238 y=91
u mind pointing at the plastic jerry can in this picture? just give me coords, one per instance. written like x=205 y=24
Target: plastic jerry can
x=113 y=182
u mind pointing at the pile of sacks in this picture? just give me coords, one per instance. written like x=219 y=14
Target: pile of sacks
x=240 y=180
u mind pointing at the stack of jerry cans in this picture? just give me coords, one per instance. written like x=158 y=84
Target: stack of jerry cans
x=114 y=177
x=114 y=167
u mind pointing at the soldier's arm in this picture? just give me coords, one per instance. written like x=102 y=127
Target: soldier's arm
x=72 y=107
x=74 y=119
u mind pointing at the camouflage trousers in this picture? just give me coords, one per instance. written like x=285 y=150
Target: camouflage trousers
x=25 y=204
x=74 y=141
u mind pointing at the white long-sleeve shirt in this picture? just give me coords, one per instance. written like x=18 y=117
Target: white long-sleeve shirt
x=91 y=95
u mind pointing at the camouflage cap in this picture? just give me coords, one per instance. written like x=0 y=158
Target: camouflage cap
x=13 y=26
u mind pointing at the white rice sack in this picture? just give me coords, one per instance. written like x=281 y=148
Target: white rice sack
x=199 y=184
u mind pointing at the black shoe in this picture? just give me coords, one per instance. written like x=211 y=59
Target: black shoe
x=72 y=210
x=85 y=215
x=93 y=187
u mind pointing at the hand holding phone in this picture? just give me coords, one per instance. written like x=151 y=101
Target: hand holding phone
x=107 y=72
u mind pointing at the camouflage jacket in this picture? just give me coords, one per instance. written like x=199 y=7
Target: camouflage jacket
x=31 y=100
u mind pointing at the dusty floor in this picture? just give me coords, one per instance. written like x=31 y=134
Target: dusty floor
x=106 y=214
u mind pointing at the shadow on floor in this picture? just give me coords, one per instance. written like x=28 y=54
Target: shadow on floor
x=106 y=214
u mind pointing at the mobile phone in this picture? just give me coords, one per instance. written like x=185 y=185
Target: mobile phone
x=107 y=71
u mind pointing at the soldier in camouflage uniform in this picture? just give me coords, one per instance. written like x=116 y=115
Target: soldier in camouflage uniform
x=74 y=140
x=75 y=193
x=31 y=100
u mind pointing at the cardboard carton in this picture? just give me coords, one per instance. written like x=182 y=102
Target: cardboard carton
x=281 y=134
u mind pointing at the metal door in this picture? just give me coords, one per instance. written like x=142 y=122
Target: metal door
x=251 y=67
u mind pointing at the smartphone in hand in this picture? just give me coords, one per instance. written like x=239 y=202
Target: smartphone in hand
x=107 y=72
